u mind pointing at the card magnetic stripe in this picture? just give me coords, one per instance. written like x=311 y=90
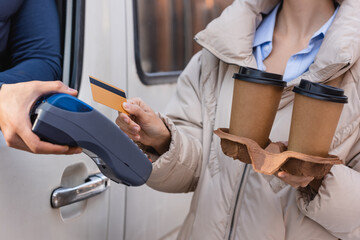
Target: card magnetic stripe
x=107 y=87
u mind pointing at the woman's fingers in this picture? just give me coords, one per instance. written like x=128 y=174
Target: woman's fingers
x=139 y=102
x=128 y=126
x=143 y=125
x=294 y=181
x=136 y=111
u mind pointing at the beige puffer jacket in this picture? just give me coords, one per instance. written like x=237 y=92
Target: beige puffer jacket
x=231 y=201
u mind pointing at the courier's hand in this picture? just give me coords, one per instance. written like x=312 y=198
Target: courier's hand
x=16 y=101
x=144 y=125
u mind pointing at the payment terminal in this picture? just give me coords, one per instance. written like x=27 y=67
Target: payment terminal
x=65 y=120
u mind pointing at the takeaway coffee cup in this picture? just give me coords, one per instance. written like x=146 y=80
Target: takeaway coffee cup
x=316 y=112
x=255 y=102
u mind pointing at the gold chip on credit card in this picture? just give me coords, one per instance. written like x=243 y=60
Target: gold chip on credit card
x=107 y=94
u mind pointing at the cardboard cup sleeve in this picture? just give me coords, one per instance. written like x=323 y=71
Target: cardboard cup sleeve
x=275 y=157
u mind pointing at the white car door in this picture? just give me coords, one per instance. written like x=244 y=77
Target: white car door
x=27 y=181
x=26 y=184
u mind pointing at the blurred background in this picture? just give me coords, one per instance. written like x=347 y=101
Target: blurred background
x=166 y=30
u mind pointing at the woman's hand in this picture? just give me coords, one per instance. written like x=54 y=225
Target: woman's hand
x=15 y=103
x=294 y=181
x=144 y=125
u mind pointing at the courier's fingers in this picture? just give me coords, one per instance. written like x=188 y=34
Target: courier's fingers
x=74 y=150
x=54 y=86
x=37 y=146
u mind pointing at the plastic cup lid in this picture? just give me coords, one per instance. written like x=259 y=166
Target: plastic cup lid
x=320 y=91
x=257 y=76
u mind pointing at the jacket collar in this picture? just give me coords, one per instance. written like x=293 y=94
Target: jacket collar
x=339 y=51
x=230 y=37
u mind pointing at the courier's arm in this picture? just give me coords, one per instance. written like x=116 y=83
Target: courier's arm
x=33 y=44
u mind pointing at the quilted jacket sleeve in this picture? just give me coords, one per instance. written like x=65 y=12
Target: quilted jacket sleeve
x=178 y=169
x=337 y=205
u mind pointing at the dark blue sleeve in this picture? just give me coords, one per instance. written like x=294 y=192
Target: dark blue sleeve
x=34 y=43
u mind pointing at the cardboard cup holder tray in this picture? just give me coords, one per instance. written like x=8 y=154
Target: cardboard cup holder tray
x=275 y=157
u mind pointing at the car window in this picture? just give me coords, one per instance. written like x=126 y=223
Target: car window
x=164 y=32
x=72 y=16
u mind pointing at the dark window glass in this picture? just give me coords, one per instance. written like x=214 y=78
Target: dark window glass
x=164 y=32
x=72 y=17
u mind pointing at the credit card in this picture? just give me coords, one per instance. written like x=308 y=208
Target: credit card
x=107 y=94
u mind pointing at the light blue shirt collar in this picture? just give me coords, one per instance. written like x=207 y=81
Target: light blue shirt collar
x=297 y=63
x=265 y=31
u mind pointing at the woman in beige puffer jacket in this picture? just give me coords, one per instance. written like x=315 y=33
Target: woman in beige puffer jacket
x=230 y=200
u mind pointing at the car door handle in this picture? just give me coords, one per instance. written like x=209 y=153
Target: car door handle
x=93 y=186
